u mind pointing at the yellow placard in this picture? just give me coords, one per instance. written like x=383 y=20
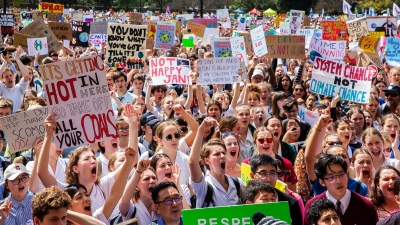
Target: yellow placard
x=377 y=34
x=245 y=173
x=368 y=44
x=196 y=29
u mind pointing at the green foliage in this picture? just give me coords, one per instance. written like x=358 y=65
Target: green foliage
x=159 y=4
x=287 y=5
x=378 y=5
x=17 y=3
x=249 y=5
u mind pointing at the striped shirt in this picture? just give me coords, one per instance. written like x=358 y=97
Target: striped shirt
x=20 y=211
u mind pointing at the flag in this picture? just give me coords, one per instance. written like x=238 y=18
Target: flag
x=323 y=13
x=356 y=13
x=396 y=9
x=346 y=8
x=363 y=12
x=387 y=12
x=311 y=13
x=168 y=10
x=370 y=11
x=373 y=11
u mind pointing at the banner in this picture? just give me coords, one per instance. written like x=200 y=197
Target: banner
x=37 y=45
x=22 y=129
x=286 y=46
x=61 y=30
x=333 y=50
x=77 y=92
x=222 y=14
x=165 y=35
x=376 y=34
x=350 y=83
x=247 y=40
x=97 y=39
x=218 y=70
x=239 y=49
x=368 y=44
x=307 y=115
x=357 y=28
x=98 y=27
x=195 y=28
x=392 y=52
x=334 y=30
x=51 y=7
x=259 y=43
x=235 y=214
x=296 y=17
x=80 y=33
x=126 y=43
x=136 y=18
x=169 y=70
x=222 y=47
x=7 y=24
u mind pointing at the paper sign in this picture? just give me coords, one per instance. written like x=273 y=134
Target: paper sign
x=284 y=28
x=376 y=34
x=37 y=45
x=307 y=115
x=21 y=39
x=334 y=30
x=81 y=99
x=241 y=23
x=286 y=46
x=98 y=27
x=218 y=70
x=209 y=23
x=22 y=129
x=61 y=30
x=350 y=83
x=308 y=33
x=383 y=24
x=368 y=44
x=165 y=35
x=392 y=52
x=87 y=18
x=239 y=49
x=247 y=40
x=222 y=14
x=222 y=47
x=296 y=17
x=259 y=43
x=126 y=43
x=334 y=50
x=196 y=29
x=51 y=7
x=235 y=214
x=53 y=16
x=136 y=18
x=77 y=16
x=245 y=173
x=7 y=24
x=97 y=39
x=80 y=33
x=169 y=70
x=357 y=29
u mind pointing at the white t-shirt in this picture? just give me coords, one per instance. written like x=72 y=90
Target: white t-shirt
x=15 y=94
x=141 y=212
x=59 y=174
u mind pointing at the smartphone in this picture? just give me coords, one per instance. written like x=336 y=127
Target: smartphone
x=202 y=51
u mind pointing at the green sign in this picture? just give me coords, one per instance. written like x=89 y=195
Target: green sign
x=235 y=214
x=188 y=43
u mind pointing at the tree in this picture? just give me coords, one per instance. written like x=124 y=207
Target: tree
x=249 y=5
x=287 y=5
x=160 y=4
x=378 y=5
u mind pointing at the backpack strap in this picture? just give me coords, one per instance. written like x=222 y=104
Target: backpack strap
x=99 y=166
x=208 y=200
x=151 y=153
x=237 y=185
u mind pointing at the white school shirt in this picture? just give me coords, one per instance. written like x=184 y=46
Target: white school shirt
x=15 y=94
x=141 y=212
x=59 y=174
x=104 y=165
x=344 y=201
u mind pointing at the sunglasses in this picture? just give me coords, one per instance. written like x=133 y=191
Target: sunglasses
x=387 y=94
x=176 y=135
x=225 y=134
x=299 y=89
x=262 y=140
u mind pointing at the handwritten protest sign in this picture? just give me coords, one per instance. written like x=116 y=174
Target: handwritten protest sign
x=169 y=70
x=196 y=29
x=22 y=39
x=52 y=7
x=77 y=16
x=22 y=129
x=222 y=47
x=97 y=39
x=331 y=78
x=259 y=43
x=368 y=44
x=126 y=43
x=241 y=23
x=77 y=92
x=7 y=24
x=308 y=33
x=209 y=23
x=222 y=14
x=80 y=33
x=218 y=70
x=37 y=45
x=235 y=214
x=392 y=53
x=61 y=30
x=296 y=17
x=334 y=30
x=284 y=28
x=357 y=28
x=39 y=29
x=286 y=46
x=136 y=18
x=98 y=27
x=165 y=35
x=307 y=115
x=53 y=16
x=239 y=49
x=247 y=40
x=25 y=15
x=333 y=50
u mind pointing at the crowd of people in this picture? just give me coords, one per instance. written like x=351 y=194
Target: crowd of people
x=181 y=146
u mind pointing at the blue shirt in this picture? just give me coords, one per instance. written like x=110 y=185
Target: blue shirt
x=351 y=185
x=161 y=222
x=20 y=211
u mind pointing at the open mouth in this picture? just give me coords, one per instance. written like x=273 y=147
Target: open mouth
x=393 y=135
x=276 y=133
x=347 y=137
x=260 y=119
x=233 y=153
x=21 y=188
x=223 y=165
x=365 y=172
x=390 y=189
x=93 y=171
x=87 y=208
x=376 y=153
x=151 y=189
x=168 y=175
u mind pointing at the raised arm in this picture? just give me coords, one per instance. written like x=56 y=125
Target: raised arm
x=47 y=179
x=80 y=218
x=147 y=101
x=24 y=70
x=194 y=126
x=199 y=94
x=34 y=178
x=131 y=117
x=236 y=94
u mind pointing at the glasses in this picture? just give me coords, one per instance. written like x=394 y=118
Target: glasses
x=299 y=89
x=262 y=140
x=391 y=94
x=184 y=129
x=17 y=181
x=123 y=129
x=389 y=149
x=226 y=134
x=169 y=201
x=330 y=143
x=283 y=173
x=333 y=178
x=264 y=174
x=176 y=135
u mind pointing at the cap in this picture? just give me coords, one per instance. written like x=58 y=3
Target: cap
x=14 y=170
x=271 y=221
x=148 y=118
x=392 y=88
x=258 y=72
x=319 y=104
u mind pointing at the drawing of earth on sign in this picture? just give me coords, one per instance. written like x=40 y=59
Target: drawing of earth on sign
x=84 y=37
x=314 y=54
x=165 y=37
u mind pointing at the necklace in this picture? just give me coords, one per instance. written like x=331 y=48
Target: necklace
x=231 y=167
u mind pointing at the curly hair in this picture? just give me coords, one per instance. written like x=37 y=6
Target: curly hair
x=51 y=198
x=376 y=194
x=317 y=208
x=71 y=176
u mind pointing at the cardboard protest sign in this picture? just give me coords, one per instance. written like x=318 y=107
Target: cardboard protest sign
x=357 y=28
x=21 y=39
x=136 y=18
x=392 y=53
x=259 y=43
x=25 y=15
x=350 y=83
x=286 y=46
x=22 y=129
x=236 y=214
x=61 y=30
x=218 y=70
x=296 y=18
x=126 y=43
x=51 y=7
x=97 y=39
x=81 y=100
x=77 y=16
x=54 y=16
x=306 y=21
x=247 y=40
x=239 y=49
x=209 y=23
x=7 y=24
x=98 y=27
x=222 y=14
x=196 y=29
x=37 y=45
x=222 y=47
x=80 y=33
x=17 y=15
x=334 y=30
x=241 y=23
x=368 y=44
x=307 y=115
x=383 y=24
x=169 y=70
x=334 y=50
x=39 y=29
x=165 y=35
